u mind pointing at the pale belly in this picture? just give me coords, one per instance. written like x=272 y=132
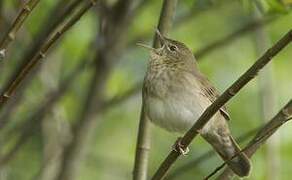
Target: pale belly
x=176 y=112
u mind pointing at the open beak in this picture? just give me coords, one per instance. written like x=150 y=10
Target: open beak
x=162 y=40
x=160 y=37
x=146 y=46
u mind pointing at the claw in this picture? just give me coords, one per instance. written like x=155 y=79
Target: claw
x=178 y=147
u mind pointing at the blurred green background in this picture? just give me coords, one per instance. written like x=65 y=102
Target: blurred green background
x=110 y=152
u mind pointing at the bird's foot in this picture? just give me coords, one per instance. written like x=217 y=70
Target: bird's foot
x=180 y=148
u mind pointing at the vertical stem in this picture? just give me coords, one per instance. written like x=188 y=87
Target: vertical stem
x=143 y=140
x=268 y=101
x=166 y=19
x=143 y=148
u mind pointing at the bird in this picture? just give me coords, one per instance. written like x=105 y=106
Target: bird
x=175 y=93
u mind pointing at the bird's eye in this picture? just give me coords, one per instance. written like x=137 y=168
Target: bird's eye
x=172 y=48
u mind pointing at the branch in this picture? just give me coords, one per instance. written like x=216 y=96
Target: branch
x=143 y=140
x=283 y=116
x=21 y=17
x=12 y=87
x=220 y=101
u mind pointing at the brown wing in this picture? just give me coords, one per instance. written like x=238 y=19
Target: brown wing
x=210 y=92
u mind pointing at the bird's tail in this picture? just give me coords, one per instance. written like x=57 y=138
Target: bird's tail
x=226 y=147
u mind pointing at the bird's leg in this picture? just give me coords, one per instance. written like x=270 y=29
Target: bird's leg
x=178 y=147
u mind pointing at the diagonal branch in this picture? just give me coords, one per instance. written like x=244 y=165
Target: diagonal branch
x=143 y=139
x=220 y=101
x=12 y=87
x=283 y=116
x=11 y=33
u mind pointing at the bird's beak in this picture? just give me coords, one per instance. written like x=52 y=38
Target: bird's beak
x=162 y=40
x=146 y=46
x=160 y=37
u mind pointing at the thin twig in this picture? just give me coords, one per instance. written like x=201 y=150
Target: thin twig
x=11 y=33
x=283 y=116
x=9 y=91
x=220 y=101
x=144 y=132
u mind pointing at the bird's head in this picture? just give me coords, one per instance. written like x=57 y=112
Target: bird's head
x=171 y=49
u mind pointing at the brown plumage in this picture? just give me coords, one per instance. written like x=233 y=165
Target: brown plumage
x=176 y=93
